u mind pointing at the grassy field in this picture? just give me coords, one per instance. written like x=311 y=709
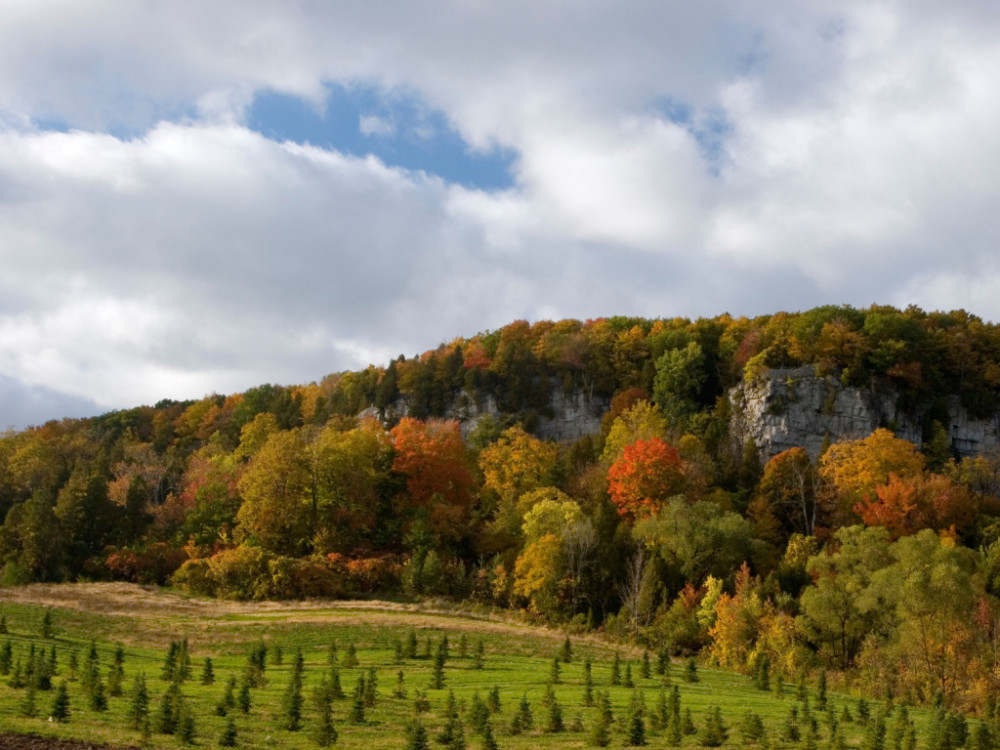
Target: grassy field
x=518 y=662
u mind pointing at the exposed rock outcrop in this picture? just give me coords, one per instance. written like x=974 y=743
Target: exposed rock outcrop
x=796 y=407
x=569 y=416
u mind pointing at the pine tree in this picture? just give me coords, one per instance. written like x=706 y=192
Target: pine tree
x=138 y=705
x=437 y=674
x=635 y=732
x=588 y=684
x=6 y=658
x=714 y=733
x=479 y=654
x=397 y=651
x=688 y=726
x=663 y=661
x=600 y=732
x=324 y=733
x=567 y=651
x=291 y=702
x=555 y=721
x=357 y=715
x=645 y=670
x=463 y=647
x=627 y=681
x=350 y=659
x=410 y=647
x=185 y=725
x=493 y=700
x=801 y=691
x=489 y=741
x=616 y=670
x=416 y=736
x=821 y=691
x=371 y=689
x=207 y=672
x=60 y=704
x=331 y=653
x=28 y=706
x=690 y=671
x=46 y=629
x=762 y=673
x=554 y=672
x=98 y=700
x=527 y=720
x=244 y=701
x=400 y=691
x=479 y=714
x=336 y=689
x=778 y=686
x=228 y=736
x=751 y=728
x=3 y=625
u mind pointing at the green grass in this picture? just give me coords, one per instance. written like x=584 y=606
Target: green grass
x=517 y=665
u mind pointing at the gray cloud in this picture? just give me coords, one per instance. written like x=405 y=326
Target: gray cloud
x=159 y=248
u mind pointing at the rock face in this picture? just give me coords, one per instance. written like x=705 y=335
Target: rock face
x=569 y=416
x=787 y=408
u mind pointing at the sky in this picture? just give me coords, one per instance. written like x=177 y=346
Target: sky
x=200 y=197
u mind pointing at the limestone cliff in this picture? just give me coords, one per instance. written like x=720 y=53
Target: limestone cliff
x=796 y=407
x=568 y=416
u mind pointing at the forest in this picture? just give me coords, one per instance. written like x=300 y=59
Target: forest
x=878 y=559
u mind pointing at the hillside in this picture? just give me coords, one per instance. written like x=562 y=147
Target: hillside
x=706 y=486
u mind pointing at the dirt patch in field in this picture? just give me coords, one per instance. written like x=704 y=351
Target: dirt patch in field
x=152 y=604
x=34 y=742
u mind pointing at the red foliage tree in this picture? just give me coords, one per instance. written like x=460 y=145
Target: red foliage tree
x=644 y=476
x=438 y=481
x=904 y=506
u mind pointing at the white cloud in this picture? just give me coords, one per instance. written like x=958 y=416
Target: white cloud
x=160 y=248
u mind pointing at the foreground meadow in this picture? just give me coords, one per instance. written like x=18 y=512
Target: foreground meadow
x=274 y=669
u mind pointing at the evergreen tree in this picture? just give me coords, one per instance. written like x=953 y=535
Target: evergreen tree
x=762 y=673
x=714 y=733
x=600 y=731
x=400 y=691
x=397 y=651
x=463 y=647
x=778 y=686
x=555 y=721
x=478 y=658
x=874 y=738
x=479 y=714
x=6 y=658
x=627 y=681
x=350 y=659
x=28 y=707
x=357 y=715
x=336 y=689
x=567 y=651
x=588 y=684
x=47 y=629
x=416 y=736
x=228 y=736
x=207 y=672
x=493 y=700
x=185 y=725
x=98 y=699
x=437 y=673
x=751 y=728
x=821 y=690
x=324 y=733
x=616 y=670
x=555 y=672
x=3 y=625
x=331 y=653
x=244 y=700
x=663 y=661
x=801 y=691
x=690 y=671
x=291 y=702
x=410 y=647
x=138 y=705
x=371 y=689
x=60 y=704
x=635 y=732
x=688 y=726
x=489 y=741
x=524 y=714
x=645 y=670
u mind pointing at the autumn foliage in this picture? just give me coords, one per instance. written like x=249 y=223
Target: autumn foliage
x=644 y=476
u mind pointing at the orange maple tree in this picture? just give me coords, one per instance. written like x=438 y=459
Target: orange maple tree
x=644 y=476
x=905 y=505
x=438 y=482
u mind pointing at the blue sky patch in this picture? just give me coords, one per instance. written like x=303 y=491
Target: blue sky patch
x=398 y=128
x=708 y=128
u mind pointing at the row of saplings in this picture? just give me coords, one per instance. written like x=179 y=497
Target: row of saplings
x=34 y=671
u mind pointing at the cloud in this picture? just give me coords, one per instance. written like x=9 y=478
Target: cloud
x=663 y=161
